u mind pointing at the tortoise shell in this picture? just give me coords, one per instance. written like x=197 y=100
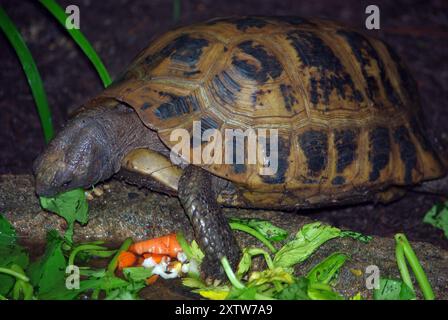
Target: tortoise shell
x=347 y=110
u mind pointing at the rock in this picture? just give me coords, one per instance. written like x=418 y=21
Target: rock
x=123 y=211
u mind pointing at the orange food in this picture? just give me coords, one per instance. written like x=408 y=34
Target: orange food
x=157 y=258
x=152 y=279
x=126 y=259
x=166 y=245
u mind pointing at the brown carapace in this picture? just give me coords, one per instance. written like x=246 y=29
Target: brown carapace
x=347 y=111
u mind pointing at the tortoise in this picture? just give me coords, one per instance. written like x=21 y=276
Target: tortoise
x=346 y=110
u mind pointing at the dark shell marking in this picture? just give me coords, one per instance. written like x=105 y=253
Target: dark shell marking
x=288 y=96
x=208 y=123
x=346 y=145
x=313 y=52
x=224 y=88
x=284 y=149
x=408 y=153
x=365 y=53
x=178 y=106
x=184 y=49
x=407 y=81
x=145 y=106
x=269 y=65
x=338 y=180
x=315 y=147
x=380 y=148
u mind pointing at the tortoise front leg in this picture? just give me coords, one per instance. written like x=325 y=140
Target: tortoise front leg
x=210 y=226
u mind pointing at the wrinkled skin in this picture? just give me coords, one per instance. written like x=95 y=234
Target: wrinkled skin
x=89 y=149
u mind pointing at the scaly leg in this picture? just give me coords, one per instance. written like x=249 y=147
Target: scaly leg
x=210 y=226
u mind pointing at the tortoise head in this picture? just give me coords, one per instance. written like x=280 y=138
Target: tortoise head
x=79 y=156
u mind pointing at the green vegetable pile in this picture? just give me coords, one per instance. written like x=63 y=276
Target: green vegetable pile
x=278 y=281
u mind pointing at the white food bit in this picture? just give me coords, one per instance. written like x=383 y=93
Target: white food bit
x=149 y=263
x=185 y=268
x=160 y=270
x=181 y=256
x=194 y=267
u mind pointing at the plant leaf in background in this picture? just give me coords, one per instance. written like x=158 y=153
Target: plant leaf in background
x=355 y=235
x=31 y=72
x=176 y=10
x=265 y=227
x=327 y=270
x=437 y=216
x=71 y=205
x=80 y=39
x=392 y=289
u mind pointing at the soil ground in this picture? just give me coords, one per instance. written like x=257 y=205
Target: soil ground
x=118 y=30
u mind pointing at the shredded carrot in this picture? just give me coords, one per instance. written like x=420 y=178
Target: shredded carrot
x=152 y=279
x=166 y=245
x=126 y=259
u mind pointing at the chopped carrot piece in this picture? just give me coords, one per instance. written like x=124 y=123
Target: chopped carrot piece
x=126 y=259
x=166 y=245
x=152 y=279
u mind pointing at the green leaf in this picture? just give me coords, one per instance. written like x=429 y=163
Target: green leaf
x=242 y=294
x=31 y=72
x=194 y=282
x=327 y=270
x=137 y=274
x=80 y=39
x=393 y=289
x=320 y=291
x=48 y=272
x=265 y=227
x=298 y=290
x=355 y=235
x=278 y=274
x=437 y=216
x=71 y=205
x=122 y=294
x=307 y=240
x=11 y=253
x=246 y=260
x=7 y=232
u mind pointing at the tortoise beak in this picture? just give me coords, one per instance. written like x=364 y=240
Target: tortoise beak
x=51 y=174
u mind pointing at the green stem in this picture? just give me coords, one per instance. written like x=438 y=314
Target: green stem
x=84 y=247
x=176 y=10
x=254 y=233
x=184 y=245
x=402 y=266
x=31 y=72
x=114 y=262
x=14 y=274
x=230 y=274
x=79 y=38
x=416 y=267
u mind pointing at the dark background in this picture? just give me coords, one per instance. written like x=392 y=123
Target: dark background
x=119 y=29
